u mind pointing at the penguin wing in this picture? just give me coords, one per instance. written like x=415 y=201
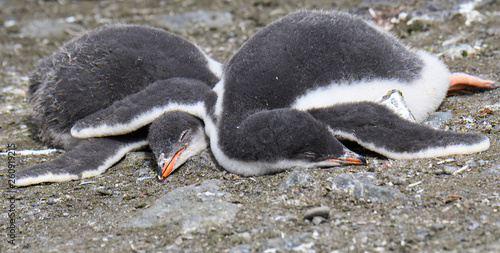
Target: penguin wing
x=88 y=158
x=377 y=128
x=140 y=109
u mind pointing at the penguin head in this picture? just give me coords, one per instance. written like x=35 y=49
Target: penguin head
x=292 y=138
x=174 y=137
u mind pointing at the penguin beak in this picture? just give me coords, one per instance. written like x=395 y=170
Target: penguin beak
x=166 y=169
x=349 y=158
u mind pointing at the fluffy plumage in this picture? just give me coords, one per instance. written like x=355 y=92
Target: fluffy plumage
x=90 y=72
x=105 y=68
x=334 y=53
x=316 y=61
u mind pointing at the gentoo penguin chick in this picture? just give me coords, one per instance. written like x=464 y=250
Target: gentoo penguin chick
x=90 y=72
x=314 y=60
x=126 y=117
x=174 y=137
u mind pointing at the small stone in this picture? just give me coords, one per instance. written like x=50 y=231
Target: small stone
x=51 y=201
x=481 y=162
x=298 y=176
x=397 y=180
x=318 y=220
x=243 y=248
x=51 y=28
x=494 y=171
x=143 y=171
x=322 y=211
x=473 y=226
x=450 y=169
x=11 y=26
x=184 y=22
x=290 y=243
x=364 y=185
x=438 y=172
x=178 y=240
x=104 y=192
x=438 y=226
x=140 y=205
x=436 y=119
x=372 y=167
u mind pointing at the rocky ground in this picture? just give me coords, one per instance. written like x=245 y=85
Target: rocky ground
x=446 y=204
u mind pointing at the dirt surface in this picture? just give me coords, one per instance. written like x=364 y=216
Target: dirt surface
x=452 y=203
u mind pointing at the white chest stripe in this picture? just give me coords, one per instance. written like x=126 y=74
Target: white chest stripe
x=219 y=90
x=422 y=96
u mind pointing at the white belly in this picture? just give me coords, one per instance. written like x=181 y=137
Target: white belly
x=422 y=96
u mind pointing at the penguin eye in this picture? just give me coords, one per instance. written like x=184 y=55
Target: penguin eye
x=311 y=155
x=184 y=134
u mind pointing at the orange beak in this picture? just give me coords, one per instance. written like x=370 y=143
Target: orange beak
x=167 y=167
x=349 y=160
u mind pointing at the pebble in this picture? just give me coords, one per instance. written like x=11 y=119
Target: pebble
x=438 y=171
x=493 y=171
x=357 y=185
x=285 y=218
x=460 y=50
x=428 y=15
x=397 y=180
x=481 y=162
x=450 y=169
x=11 y=26
x=183 y=22
x=290 y=243
x=298 y=176
x=145 y=170
x=321 y=211
x=51 y=28
x=436 y=119
x=104 y=192
x=318 y=220
x=243 y=248
x=193 y=207
x=138 y=158
x=432 y=14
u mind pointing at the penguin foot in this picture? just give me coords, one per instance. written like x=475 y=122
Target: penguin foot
x=460 y=81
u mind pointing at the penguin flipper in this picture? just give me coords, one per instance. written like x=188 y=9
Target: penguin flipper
x=88 y=158
x=377 y=128
x=141 y=108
